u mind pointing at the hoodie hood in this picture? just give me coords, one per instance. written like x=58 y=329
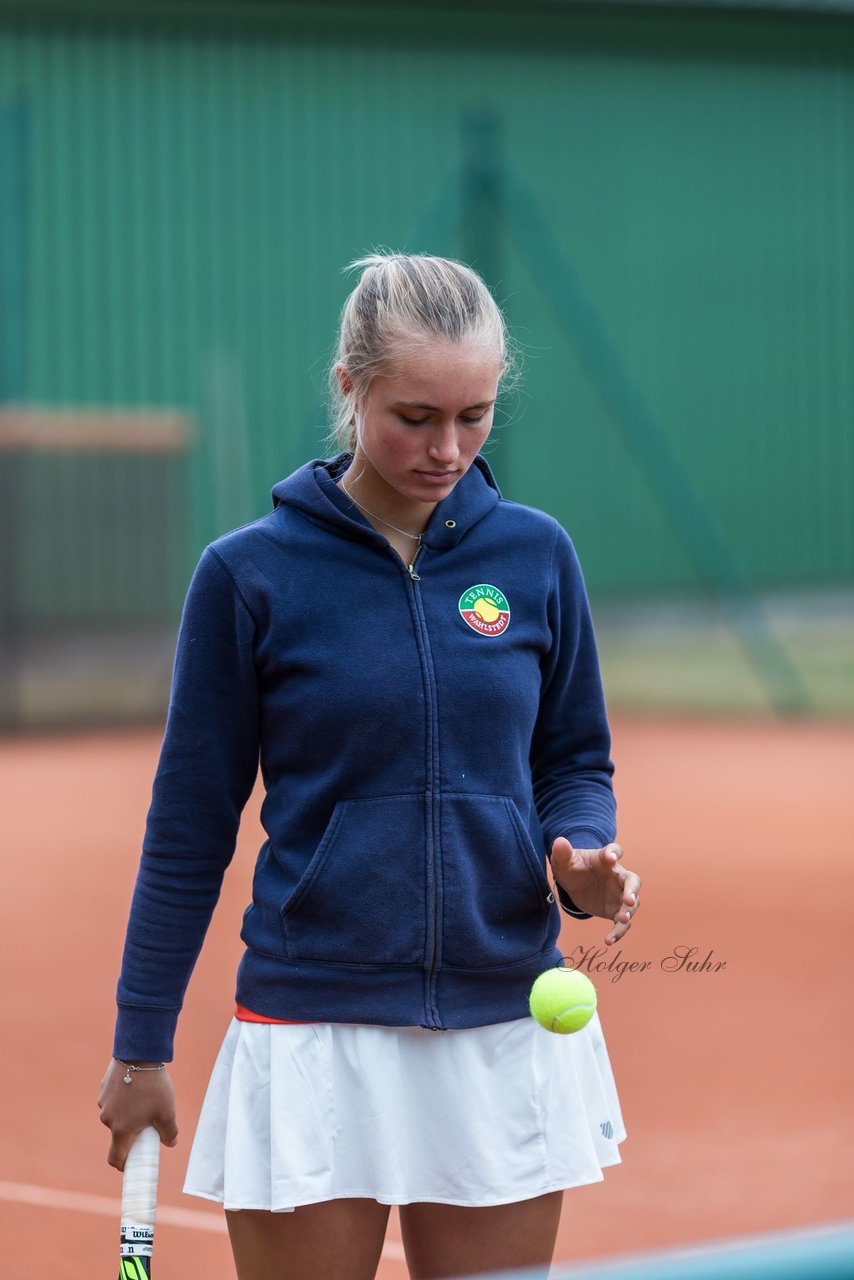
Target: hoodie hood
x=313 y=491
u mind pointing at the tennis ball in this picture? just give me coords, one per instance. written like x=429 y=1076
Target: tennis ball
x=563 y=1000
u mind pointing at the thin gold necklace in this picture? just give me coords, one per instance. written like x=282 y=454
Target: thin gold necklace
x=416 y=537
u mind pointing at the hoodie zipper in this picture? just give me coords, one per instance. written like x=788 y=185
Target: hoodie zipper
x=411 y=567
x=432 y=1012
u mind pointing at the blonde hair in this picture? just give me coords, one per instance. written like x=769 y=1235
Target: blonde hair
x=400 y=300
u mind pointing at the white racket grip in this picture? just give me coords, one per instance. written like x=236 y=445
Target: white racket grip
x=139 y=1194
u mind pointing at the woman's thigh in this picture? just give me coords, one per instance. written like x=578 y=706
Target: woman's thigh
x=448 y=1240
x=340 y=1238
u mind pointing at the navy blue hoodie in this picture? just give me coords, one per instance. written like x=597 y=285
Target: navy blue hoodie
x=424 y=735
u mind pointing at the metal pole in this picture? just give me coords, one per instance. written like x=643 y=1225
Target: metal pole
x=712 y=555
x=14 y=264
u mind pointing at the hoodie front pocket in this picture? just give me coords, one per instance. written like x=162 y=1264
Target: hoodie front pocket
x=361 y=898
x=496 y=904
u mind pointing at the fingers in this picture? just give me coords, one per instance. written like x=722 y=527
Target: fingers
x=563 y=857
x=122 y=1141
x=119 y=1148
x=562 y=851
x=622 y=924
x=168 y=1130
x=630 y=896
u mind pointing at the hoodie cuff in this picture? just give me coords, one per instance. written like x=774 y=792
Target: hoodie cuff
x=145 y=1034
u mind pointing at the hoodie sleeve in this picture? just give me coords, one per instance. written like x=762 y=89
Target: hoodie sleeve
x=570 y=754
x=207 y=769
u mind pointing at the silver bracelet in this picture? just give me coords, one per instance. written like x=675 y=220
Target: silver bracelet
x=129 y=1067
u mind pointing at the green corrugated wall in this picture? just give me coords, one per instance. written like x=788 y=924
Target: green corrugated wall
x=189 y=196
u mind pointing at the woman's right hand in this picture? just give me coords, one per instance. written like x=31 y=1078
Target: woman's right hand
x=127 y=1109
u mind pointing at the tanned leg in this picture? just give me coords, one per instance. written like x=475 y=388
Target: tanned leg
x=340 y=1239
x=446 y=1240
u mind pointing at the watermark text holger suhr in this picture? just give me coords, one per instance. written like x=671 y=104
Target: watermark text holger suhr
x=681 y=959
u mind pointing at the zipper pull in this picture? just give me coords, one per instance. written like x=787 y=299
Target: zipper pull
x=411 y=567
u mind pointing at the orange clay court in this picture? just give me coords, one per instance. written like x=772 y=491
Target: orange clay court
x=735 y=1080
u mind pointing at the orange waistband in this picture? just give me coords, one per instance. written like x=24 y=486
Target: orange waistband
x=246 y=1015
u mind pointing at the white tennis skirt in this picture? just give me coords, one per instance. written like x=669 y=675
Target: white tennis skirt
x=296 y=1115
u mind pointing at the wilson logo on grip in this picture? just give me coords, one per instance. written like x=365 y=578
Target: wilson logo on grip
x=485 y=609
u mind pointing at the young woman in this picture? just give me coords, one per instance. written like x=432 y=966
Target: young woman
x=412 y=658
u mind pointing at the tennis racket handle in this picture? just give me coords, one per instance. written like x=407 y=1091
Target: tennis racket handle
x=139 y=1205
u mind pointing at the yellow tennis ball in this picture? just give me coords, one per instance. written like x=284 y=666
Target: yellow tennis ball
x=563 y=1000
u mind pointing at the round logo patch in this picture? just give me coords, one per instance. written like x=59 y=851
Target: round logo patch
x=485 y=609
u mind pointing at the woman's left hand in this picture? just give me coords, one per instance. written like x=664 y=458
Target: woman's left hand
x=597 y=883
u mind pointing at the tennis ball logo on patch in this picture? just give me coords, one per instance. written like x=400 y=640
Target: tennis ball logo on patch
x=485 y=609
